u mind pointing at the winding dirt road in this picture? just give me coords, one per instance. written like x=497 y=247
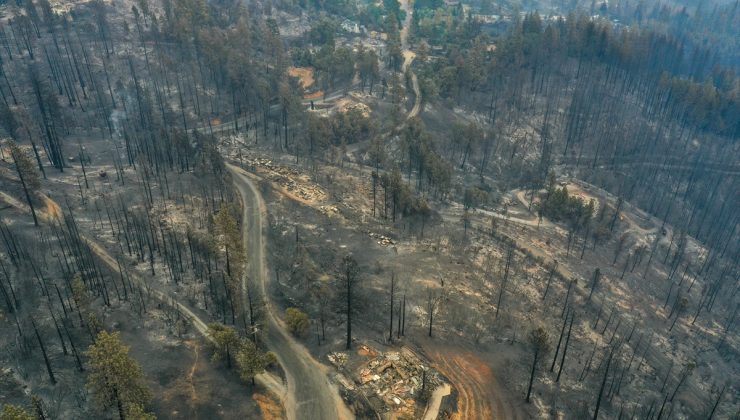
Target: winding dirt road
x=408 y=58
x=310 y=395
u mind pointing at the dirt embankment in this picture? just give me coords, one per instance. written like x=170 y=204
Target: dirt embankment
x=304 y=74
x=480 y=396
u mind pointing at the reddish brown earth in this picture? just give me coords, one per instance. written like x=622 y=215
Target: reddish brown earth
x=480 y=396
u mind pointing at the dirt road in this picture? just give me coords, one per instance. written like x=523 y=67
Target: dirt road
x=408 y=57
x=417 y=97
x=408 y=7
x=310 y=394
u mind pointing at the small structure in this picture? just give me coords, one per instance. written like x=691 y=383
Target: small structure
x=486 y=19
x=350 y=26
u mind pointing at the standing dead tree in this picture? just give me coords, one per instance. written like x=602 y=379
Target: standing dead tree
x=507 y=267
x=432 y=306
x=539 y=341
x=351 y=271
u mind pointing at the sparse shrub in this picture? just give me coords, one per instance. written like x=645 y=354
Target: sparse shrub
x=270 y=359
x=297 y=321
x=474 y=198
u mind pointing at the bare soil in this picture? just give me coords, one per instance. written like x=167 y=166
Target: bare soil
x=187 y=385
x=304 y=74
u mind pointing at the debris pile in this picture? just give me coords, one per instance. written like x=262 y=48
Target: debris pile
x=367 y=351
x=338 y=359
x=329 y=210
x=346 y=105
x=394 y=380
x=290 y=179
x=344 y=381
x=381 y=239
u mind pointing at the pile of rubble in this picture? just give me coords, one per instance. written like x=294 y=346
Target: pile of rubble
x=381 y=239
x=329 y=210
x=338 y=359
x=290 y=179
x=301 y=189
x=392 y=381
x=346 y=105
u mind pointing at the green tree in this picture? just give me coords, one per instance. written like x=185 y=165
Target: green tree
x=229 y=239
x=393 y=8
x=137 y=412
x=322 y=32
x=425 y=213
x=14 y=412
x=27 y=173
x=250 y=361
x=297 y=321
x=474 y=198
x=225 y=342
x=342 y=66
x=319 y=133
x=115 y=378
x=83 y=300
x=368 y=67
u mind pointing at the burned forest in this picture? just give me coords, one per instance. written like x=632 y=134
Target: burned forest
x=361 y=209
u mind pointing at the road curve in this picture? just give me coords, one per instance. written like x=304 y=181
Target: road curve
x=417 y=97
x=408 y=58
x=310 y=394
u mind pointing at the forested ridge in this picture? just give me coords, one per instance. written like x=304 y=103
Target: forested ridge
x=602 y=100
